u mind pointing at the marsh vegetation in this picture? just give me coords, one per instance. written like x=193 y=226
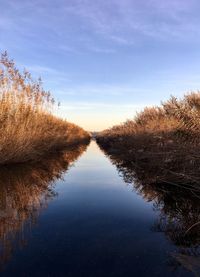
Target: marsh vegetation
x=163 y=142
x=28 y=129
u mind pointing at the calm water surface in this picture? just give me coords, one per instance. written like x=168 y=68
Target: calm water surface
x=90 y=223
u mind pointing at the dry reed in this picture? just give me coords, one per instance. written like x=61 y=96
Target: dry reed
x=28 y=130
x=164 y=141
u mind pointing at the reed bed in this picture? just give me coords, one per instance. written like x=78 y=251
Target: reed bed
x=164 y=141
x=28 y=129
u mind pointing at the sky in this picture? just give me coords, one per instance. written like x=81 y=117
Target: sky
x=104 y=60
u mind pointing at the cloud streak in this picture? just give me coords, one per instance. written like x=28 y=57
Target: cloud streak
x=121 y=22
x=100 y=56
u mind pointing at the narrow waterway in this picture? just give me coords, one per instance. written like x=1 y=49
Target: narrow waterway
x=92 y=224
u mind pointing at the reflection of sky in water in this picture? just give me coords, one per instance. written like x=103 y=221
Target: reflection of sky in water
x=96 y=226
x=94 y=180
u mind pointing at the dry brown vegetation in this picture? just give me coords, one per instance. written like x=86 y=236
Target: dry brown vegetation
x=162 y=141
x=28 y=130
x=25 y=190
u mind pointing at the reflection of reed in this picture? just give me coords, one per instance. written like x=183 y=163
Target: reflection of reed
x=24 y=191
x=178 y=207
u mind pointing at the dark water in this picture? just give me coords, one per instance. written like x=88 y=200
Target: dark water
x=90 y=223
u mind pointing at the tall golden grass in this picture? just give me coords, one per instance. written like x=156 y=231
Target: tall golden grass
x=180 y=115
x=28 y=130
x=163 y=141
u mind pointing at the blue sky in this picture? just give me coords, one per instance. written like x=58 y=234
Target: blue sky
x=105 y=60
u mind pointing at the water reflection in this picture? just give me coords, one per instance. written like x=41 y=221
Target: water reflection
x=178 y=208
x=25 y=190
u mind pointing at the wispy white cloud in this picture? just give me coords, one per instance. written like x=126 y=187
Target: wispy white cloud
x=5 y=22
x=39 y=69
x=124 y=22
x=67 y=49
x=95 y=106
x=102 y=90
x=96 y=116
x=97 y=49
x=48 y=74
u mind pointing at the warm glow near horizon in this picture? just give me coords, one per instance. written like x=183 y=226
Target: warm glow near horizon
x=101 y=114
